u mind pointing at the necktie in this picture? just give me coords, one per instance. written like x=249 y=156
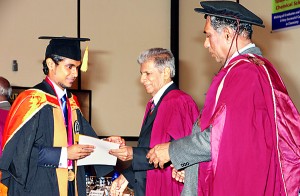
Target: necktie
x=69 y=129
x=64 y=108
x=152 y=107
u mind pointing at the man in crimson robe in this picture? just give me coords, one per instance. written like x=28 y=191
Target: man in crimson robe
x=169 y=115
x=5 y=93
x=249 y=126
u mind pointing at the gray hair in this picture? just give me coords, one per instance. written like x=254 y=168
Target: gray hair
x=161 y=58
x=5 y=88
x=218 y=23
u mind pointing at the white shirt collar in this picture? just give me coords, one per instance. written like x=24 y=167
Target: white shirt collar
x=251 y=45
x=161 y=91
x=60 y=93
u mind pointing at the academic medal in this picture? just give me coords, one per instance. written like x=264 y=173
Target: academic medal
x=71 y=175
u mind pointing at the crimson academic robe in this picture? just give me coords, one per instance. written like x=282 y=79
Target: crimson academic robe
x=3 y=115
x=32 y=141
x=255 y=136
x=171 y=119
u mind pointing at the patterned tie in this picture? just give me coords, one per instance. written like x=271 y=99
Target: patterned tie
x=64 y=108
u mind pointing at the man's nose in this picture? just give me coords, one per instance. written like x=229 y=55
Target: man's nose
x=143 y=78
x=206 y=44
x=74 y=72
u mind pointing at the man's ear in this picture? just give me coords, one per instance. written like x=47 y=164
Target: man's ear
x=228 y=34
x=50 y=63
x=167 y=73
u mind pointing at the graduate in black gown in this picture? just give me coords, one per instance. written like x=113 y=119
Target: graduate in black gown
x=39 y=147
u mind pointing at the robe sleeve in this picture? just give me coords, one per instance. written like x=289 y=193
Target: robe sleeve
x=18 y=151
x=49 y=156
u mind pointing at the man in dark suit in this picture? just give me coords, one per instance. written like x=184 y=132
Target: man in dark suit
x=169 y=115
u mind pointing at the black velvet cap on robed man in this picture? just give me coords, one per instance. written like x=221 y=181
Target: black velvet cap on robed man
x=230 y=10
x=68 y=47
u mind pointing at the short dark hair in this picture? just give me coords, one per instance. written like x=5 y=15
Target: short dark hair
x=56 y=59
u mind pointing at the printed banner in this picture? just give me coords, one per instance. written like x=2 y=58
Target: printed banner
x=285 y=14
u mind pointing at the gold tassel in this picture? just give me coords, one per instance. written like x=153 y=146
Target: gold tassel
x=84 y=65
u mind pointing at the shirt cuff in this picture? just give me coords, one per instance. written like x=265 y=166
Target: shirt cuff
x=63 y=160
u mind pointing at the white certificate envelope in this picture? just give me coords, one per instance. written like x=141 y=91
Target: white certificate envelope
x=100 y=156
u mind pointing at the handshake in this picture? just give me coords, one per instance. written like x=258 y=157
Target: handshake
x=158 y=156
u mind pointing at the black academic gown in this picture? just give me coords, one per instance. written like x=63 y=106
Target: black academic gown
x=29 y=159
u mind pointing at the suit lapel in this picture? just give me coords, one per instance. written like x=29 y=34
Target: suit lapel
x=148 y=123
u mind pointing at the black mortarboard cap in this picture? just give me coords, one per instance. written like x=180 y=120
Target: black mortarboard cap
x=68 y=47
x=230 y=10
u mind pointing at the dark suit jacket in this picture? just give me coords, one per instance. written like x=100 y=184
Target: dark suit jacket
x=136 y=177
